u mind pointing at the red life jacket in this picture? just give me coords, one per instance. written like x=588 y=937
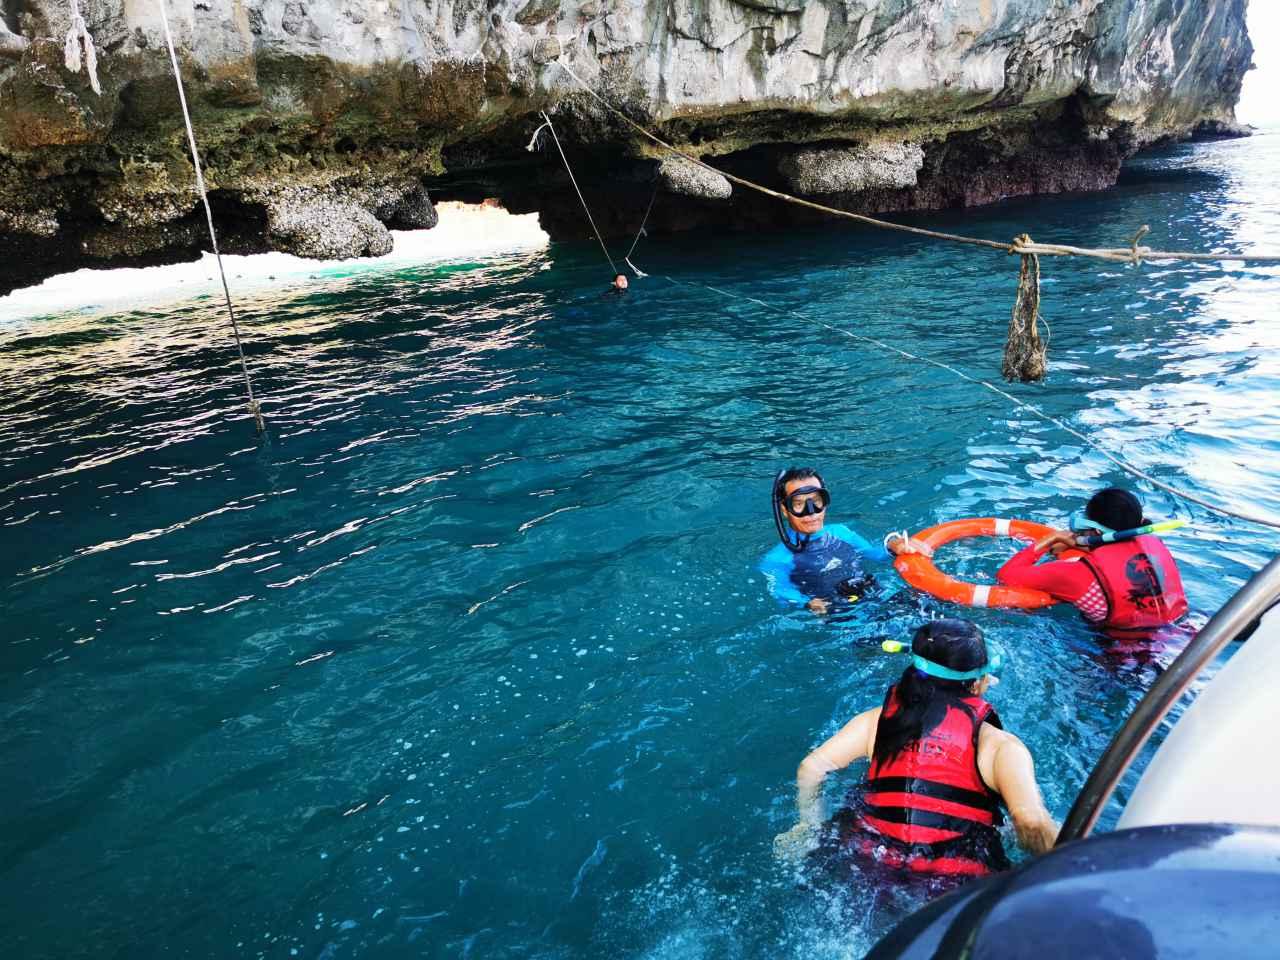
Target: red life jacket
x=930 y=799
x=1140 y=582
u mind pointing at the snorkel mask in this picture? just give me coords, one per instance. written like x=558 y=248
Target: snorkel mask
x=1080 y=523
x=995 y=662
x=803 y=502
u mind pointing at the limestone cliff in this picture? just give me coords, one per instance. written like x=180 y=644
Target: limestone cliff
x=323 y=122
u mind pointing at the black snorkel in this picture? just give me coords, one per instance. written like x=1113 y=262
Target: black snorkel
x=785 y=531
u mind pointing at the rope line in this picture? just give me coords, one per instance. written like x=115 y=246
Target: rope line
x=1020 y=246
x=254 y=407
x=1132 y=254
x=1020 y=404
x=572 y=179
x=647 y=210
x=640 y=233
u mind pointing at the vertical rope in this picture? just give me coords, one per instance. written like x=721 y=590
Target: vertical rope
x=254 y=407
x=640 y=233
x=585 y=208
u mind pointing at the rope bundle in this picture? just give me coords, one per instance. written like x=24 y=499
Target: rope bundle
x=1025 y=354
x=78 y=40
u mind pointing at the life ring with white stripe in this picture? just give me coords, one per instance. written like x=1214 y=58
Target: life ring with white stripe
x=919 y=570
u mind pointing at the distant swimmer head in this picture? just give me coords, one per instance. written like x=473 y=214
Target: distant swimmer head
x=800 y=501
x=1110 y=510
x=620 y=282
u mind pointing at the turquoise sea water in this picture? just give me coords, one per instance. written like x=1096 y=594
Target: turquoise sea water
x=471 y=658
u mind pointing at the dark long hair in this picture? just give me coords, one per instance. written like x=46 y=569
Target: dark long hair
x=922 y=699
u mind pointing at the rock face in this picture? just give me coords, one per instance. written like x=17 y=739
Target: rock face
x=677 y=175
x=876 y=166
x=321 y=122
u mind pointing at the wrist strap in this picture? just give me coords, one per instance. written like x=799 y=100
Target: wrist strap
x=894 y=535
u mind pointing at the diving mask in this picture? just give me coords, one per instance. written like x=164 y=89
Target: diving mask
x=806 y=501
x=1079 y=522
x=995 y=662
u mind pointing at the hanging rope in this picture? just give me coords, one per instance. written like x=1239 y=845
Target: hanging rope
x=1025 y=356
x=585 y=209
x=640 y=233
x=1020 y=404
x=254 y=407
x=78 y=39
x=1131 y=254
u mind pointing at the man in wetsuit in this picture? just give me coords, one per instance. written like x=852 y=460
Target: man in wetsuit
x=1129 y=589
x=941 y=769
x=817 y=564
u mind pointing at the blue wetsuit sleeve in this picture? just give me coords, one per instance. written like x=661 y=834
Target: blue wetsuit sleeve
x=872 y=551
x=776 y=566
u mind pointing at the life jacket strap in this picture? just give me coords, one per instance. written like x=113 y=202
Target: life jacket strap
x=914 y=817
x=933 y=789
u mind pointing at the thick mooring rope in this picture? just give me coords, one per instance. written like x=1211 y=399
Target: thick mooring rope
x=254 y=407
x=1020 y=404
x=1131 y=254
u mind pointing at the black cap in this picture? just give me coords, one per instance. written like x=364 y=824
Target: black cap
x=1115 y=508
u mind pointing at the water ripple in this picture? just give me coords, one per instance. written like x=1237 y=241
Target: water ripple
x=484 y=597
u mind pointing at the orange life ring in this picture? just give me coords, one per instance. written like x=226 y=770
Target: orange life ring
x=919 y=570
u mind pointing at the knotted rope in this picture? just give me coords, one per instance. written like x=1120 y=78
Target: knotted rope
x=78 y=39
x=1025 y=355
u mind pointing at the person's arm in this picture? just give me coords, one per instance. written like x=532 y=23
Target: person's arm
x=872 y=551
x=1020 y=568
x=853 y=741
x=1064 y=579
x=776 y=568
x=1013 y=776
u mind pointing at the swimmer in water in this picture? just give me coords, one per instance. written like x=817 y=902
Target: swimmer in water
x=819 y=565
x=619 y=284
x=1129 y=589
x=941 y=768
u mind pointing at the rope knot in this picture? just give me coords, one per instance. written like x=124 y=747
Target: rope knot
x=1135 y=256
x=1020 y=243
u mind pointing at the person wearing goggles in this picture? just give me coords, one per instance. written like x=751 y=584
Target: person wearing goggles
x=1126 y=583
x=942 y=767
x=816 y=564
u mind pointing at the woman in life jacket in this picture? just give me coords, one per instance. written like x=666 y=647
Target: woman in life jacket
x=1129 y=589
x=941 y=768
